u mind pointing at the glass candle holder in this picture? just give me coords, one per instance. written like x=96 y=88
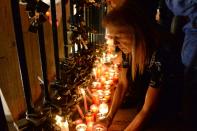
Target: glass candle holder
x=105 y=99
x=81 y=127
x=106 y=75
x=109 y=82
x=94 y=86
x=103 y=108
x=100 y=116
x=95 y=98
x=100 y=93
x=102 y=80
x=99 y=128
x=106 y=87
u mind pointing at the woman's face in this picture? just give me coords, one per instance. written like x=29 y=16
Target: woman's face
x=123 y=38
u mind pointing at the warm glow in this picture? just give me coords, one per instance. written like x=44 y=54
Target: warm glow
x=94 y=108
x=103 y=108
x=62 y=124
x=58 y=120
x=81 y=127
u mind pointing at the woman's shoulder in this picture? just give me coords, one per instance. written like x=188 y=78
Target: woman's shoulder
x=165 y=60
x=165 y=54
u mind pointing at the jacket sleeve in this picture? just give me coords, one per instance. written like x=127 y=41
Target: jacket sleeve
x=182 y=7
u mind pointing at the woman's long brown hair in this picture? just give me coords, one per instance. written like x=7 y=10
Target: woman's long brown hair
x=130 y=16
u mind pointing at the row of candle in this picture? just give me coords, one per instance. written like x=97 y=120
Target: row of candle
x=100 y=92
x=105 y=78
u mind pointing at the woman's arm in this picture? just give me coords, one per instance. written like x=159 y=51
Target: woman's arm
x=117 y=98
x=150 y=103
x=119 y=92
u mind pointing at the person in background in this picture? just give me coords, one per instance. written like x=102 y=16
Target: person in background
x=149 y=6
x=151 y=75
x=188 y=8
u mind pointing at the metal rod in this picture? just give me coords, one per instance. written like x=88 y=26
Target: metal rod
x=63 y=2
x=43 y=61
x=71 y=14
x=55 y=38
x=3 y=121
x=72 y=24
x=21 y=54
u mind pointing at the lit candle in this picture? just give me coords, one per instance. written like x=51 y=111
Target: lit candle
x=90 y=126
x=103 y=108
x=94 y=108
x=111 y=71
x=89 y=117
x=107 y=87
x=109 y=82
x=107 y=94
x=99 y=85
x=102 y=80
x=107 y=75
x=63 y=125
x=116 y=66
x=58 y=120
x=100 y=116
x=111 y=74
x=94 y=86
x=81 y=127
x=105 y=99
x=100 y=93
x=99 y=127
x=95 y=98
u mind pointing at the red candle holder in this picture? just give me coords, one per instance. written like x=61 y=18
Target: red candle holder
x=89 y=117
x=95 y=98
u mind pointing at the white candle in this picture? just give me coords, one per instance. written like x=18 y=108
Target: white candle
x=63 y=125
x=58 y=120
x=80 y=111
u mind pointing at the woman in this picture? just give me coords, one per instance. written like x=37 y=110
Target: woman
x=153 y=67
